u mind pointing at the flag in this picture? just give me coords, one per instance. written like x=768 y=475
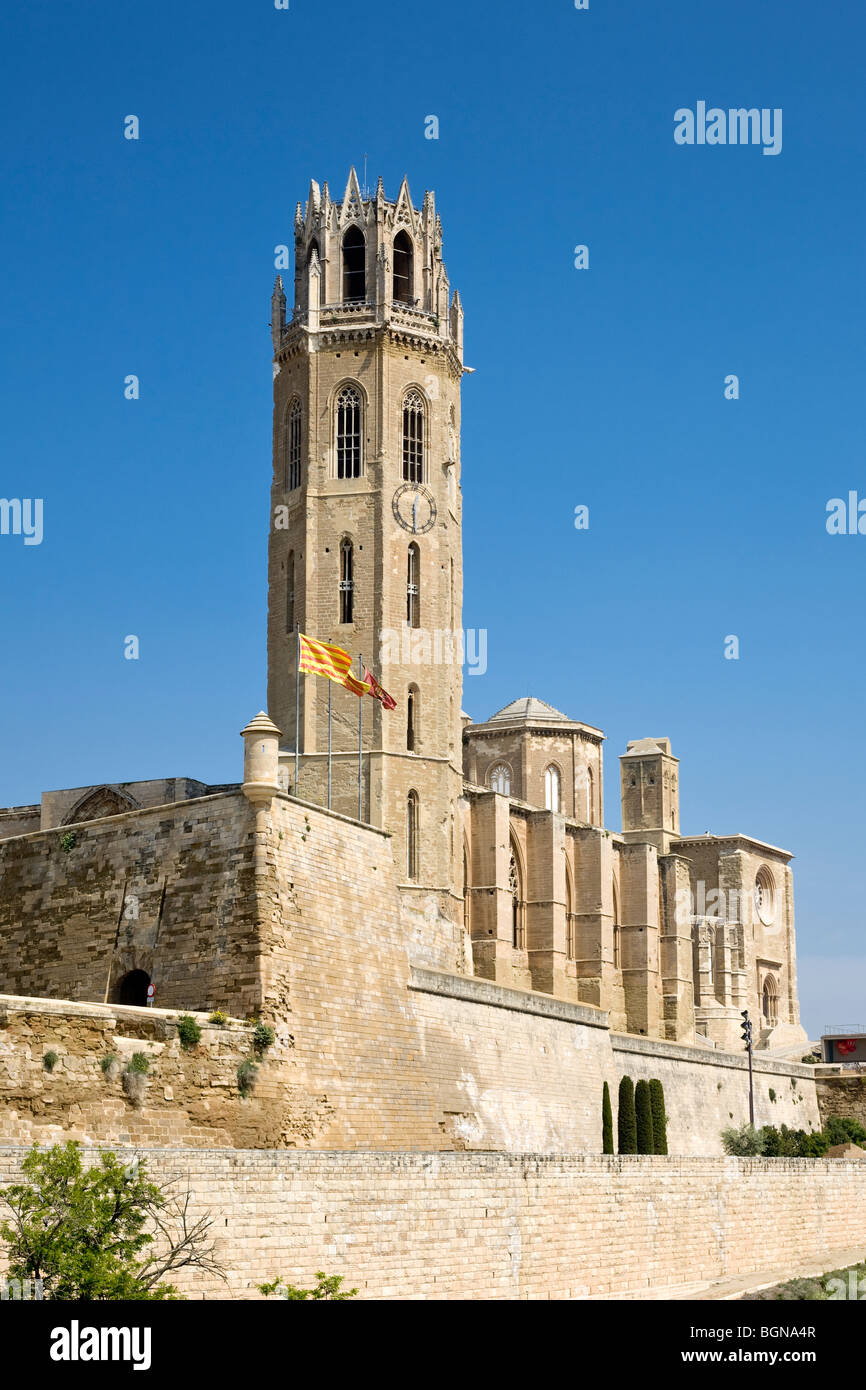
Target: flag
x=324 y=659
x=378 y=692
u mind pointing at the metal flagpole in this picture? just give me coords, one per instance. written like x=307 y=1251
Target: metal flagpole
x=297 y=702
x=360 y=735
x=330 y=697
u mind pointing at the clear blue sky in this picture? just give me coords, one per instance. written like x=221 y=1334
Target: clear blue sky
x=603 y=387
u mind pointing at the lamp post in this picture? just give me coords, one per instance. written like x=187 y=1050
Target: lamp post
x=747 y=1039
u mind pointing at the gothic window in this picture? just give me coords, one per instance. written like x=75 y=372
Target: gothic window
x=290 y=592
x=293 y=451
x=590 y=796
x=467 y=911
x=347 y=580
x=354 y=266
x=413 y=437
x=499 y=779
x=403 y=268
x=349 y=433
x=103 y=801
x=412 y=835
x=551 y=789
x=314 y=246
x=617 y=952
x=570 y=919
x=770 y=1000
x=518 y=914
x=412 y=718
x=413 y=586
x=765 y=896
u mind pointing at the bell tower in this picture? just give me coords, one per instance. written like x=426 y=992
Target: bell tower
x=365 y=527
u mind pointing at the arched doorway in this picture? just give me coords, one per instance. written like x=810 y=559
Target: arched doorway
x=132 y=988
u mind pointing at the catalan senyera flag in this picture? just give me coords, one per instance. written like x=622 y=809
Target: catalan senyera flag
x=378 y=691
x=324 y=659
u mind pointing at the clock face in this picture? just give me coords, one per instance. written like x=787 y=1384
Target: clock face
x=414 y=508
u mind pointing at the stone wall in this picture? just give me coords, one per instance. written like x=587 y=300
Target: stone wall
x=167 y=890
x=190 y=1097
x=841 y=1094
x=507 y=1226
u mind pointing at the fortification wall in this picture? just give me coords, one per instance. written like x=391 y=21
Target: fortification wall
x=167 y=890
x=295 y=911
x=507 y=1226
x=841 y=1093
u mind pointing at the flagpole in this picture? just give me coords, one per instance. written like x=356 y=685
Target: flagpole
x=330 y=698
x=360 y=735
x=297 y=700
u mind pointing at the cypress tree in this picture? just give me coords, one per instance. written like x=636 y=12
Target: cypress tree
x=625 y=1119
x=660 y=1119
x=606 y=1121
x=644 y=1118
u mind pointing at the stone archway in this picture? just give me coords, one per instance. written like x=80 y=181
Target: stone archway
x=131 y=988
x=100 y=802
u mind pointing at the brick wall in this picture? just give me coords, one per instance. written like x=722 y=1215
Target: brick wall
x=508 y=1226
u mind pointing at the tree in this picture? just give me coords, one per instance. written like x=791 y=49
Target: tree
x=328 y=1286
x=644 y=1118
x=625 y=1118
x=745 y=1142
x=606 y=1121
x=660 y=1119
x=100 y=1233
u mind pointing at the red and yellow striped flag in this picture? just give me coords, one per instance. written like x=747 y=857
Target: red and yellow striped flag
x=324 y=659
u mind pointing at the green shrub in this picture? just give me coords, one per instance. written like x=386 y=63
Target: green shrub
x=107 y=1062
x=844 y=1130
x=660 y=1119
x=328 y=1286
x=68 y=841
x=139 y=1062
x=263 y=1037
x=745 y=1142
x=606 y=1121
x=772 y=1141
x=772 y=1094
x=247 y=1073
x=644 y=1118
x=188 y=1031
x=50 y=1060
x=626 y=1120
x=218 y=1017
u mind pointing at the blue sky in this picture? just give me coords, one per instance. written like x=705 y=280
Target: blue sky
x=602 y=387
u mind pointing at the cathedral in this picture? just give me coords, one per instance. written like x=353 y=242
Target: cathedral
x=503 y=868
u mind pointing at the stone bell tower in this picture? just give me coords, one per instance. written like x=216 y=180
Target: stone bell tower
x=365 y=533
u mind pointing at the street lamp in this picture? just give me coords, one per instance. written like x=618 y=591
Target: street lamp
x=746 y=1035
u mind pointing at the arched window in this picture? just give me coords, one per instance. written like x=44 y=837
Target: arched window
x=770 y=1000
x=413 y=437
x=467 y=901
x=349 y=433
x=413 y=587
x=290 y=592
x=354 y=266
x=570 y=918
x=551 y=789
x=765 y=896
x=617 y=952
x=499 y=779
x=347 y=580
x=403 y=268
x=293 y=450
x=412 y=718
x=590 y=796
x=518 y=915
x=412 y=835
